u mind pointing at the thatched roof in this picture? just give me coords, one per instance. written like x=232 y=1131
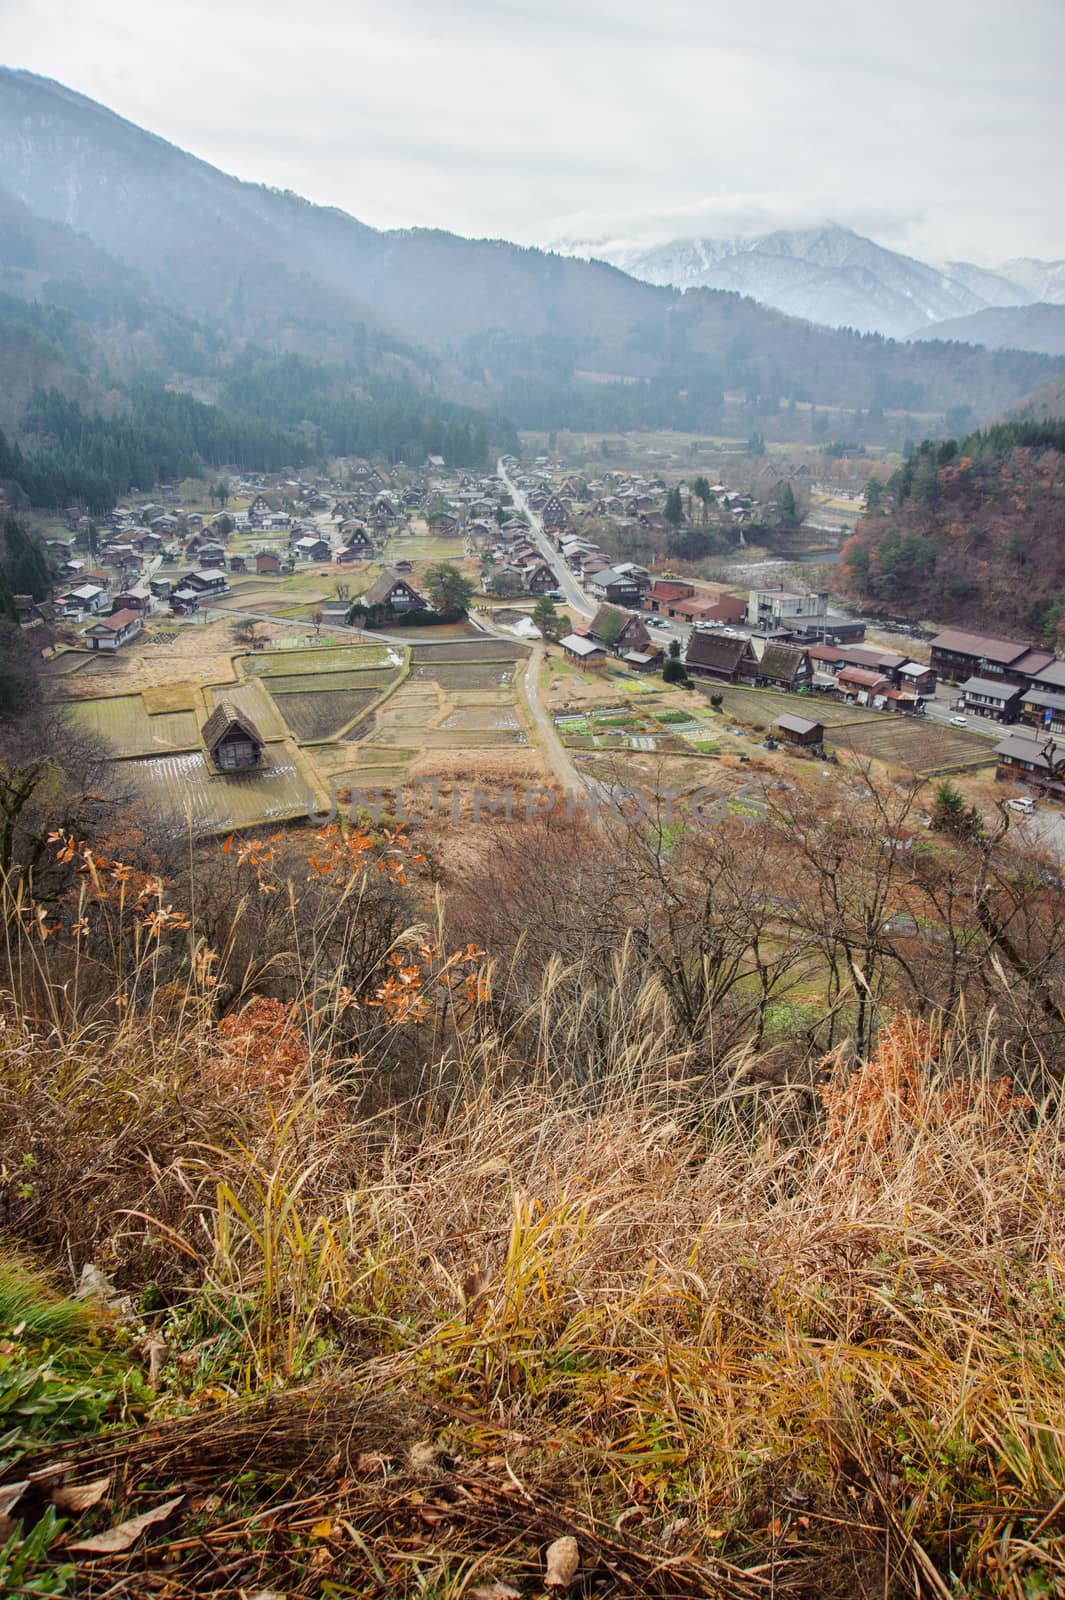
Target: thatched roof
x=223 y=719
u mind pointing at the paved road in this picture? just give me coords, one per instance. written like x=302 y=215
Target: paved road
x=575 y=595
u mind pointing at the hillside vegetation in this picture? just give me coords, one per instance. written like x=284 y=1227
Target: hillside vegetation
x=549 y=340
x=970 y=531
x=555 y=1201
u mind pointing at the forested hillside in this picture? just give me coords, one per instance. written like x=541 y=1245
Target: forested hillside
x=548 y=340
x=970 y=531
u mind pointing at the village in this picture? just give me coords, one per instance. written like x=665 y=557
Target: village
x=253 y=651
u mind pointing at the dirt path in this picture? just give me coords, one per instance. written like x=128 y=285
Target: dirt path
x=558 y=757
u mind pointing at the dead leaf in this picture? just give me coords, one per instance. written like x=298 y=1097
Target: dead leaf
x=494 y=1591
x=323 y=1529
x=563 y=1560
x=80 y=1496
x=11 y=1494
x=123 y=1534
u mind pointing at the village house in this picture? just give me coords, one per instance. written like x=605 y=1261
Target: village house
x=86 y=599
x=311 y=549
x=609 y=584
x=864 y=686
x=267 y=563
x=210 y=582
x=917 y=680
x=957 y=656
x=582 y=649
x=393 y=590
x=990 y=697
x=1037 y=762
x=712 y=655
x=618 y=630
x=782 y=666
x=232 y=740
x=238 y=564
x=662 y=595
x=138 y=597
x=111 y=633
x=1040 y=708
x=442 y=525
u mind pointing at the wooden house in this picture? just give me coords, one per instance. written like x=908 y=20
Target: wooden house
x=393 y=590
x=232 y=741
x=111 y=633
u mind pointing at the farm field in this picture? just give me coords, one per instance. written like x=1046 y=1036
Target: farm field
x=129 y=729
x=765 y=705
x=323 y=713
x=337 y=658
x=184 y=788
x=908 y=743
x=484 y=676
x=915 y=745
x=460 y=650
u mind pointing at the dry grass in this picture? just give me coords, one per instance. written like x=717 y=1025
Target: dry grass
x=714 y=1345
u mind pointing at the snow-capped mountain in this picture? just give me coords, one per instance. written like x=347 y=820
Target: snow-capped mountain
x=1045 y=280
x=830 y=275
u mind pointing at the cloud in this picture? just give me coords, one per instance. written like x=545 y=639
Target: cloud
x=933 y=127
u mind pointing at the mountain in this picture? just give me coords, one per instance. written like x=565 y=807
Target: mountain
x=1034 y=327
x=991 y=288
x=1044 y=280
x=549 y=340
x=829 y=275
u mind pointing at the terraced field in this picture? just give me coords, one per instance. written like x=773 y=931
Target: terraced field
x=129 y=730
x=334 y=658
x=908 y=743
x=916 y=746
x=765 y=705
x=185 y=789
x=323 y=713
x=463 y=650
x=474 y=675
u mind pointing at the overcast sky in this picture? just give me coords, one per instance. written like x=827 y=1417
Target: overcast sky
x=937 y=126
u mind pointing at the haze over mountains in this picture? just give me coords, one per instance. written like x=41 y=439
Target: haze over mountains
x=840 y=278
x=162 y=261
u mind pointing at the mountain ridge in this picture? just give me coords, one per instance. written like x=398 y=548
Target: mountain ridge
x=542 y=336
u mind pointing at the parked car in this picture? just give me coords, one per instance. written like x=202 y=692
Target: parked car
x=1024 y=804
x=959 y=722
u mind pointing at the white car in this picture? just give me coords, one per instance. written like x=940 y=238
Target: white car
x=959 y=722
x=1024 y=804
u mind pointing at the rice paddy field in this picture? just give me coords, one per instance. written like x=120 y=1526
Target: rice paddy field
x=126 y=725
x=336 y=658
x=467 y=650
x=323 y=713
x=185 y=788
x=917 y=746
x=907 y=743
